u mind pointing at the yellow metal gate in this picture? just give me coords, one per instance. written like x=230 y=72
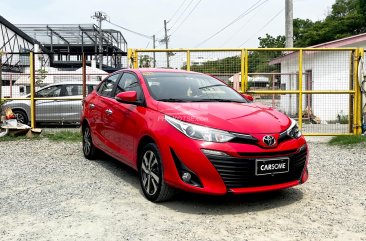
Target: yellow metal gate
x=318 y=87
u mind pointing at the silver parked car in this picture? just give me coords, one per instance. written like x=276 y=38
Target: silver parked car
x=55 y=111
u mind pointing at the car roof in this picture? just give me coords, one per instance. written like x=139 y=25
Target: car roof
x=74 y=83
x=144 y=70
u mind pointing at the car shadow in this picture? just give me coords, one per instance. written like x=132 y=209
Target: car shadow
x=233 y=204
x=119 y=169
x=207 y=204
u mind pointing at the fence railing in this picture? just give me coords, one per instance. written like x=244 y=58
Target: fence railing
x=317 y=86
x=39 y=92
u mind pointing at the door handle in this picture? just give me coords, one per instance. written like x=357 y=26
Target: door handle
x=109 y=112
x=91 y=106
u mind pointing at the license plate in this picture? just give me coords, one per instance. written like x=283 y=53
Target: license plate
x=271 y=166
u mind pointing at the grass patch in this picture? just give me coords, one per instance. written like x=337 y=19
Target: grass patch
x=71 y=136
x=13 y=138
x=347 y=140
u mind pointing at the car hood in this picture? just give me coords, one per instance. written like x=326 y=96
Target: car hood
x=248 y=118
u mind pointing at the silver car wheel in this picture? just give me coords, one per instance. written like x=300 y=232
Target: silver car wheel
x=150 y=171
x=87 y=141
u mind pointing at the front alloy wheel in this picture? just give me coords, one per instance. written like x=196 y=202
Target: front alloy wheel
x=151 y=175
x=89 y=149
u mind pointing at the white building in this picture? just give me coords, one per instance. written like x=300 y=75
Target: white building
x=200 y=60
x=322 y=70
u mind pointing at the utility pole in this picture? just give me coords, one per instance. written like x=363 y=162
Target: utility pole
x=100 y=17
x=154 y=63
x=289 y=24
x=166 y=44
x=1 y=78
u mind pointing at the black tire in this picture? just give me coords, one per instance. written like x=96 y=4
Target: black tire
x=21 y=116
x=89 y=150
x=151 y=175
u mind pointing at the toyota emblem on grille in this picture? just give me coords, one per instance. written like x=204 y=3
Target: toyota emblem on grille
x=269 y=140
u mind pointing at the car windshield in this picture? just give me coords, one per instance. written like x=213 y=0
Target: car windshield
x=189 y=87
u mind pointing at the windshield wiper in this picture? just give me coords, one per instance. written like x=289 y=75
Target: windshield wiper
x=209 y=86
x=172 y=100
x=218 y=100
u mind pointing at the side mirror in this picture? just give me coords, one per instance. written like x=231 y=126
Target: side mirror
x=129 y=97
x=248 y=97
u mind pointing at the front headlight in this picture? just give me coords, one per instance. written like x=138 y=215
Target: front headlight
x=294 y=131
x=200 y=132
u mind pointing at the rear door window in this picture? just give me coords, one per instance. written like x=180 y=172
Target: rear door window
x=73 y=90
x=52 y=91
x=107 y=87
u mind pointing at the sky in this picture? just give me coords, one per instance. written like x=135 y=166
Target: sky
x=191 y=23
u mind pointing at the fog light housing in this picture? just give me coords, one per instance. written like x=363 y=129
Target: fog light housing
x=302 y=148
x=186 y=177
x=208 y=152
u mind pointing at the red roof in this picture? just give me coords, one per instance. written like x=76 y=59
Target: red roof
x=344 y=42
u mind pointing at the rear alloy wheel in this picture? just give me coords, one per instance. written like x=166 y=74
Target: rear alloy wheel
x=89 y=150
x=21 y=116
x=151 y=175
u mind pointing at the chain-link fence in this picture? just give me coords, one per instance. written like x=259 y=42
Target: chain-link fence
x=47 y=89
x=317 y=87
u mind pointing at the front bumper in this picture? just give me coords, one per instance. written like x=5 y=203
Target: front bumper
x=234 y=173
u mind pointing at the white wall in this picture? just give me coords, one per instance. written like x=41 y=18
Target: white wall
x=330 y=71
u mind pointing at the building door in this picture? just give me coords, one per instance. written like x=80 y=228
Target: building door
x=309 y=86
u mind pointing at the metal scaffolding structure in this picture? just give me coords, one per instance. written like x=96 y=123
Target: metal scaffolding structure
x=13 y=40
x=69 y=41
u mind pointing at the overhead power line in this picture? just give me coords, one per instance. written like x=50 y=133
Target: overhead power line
x=185 y=19
x=263 y=27
x=171 y=18
x=131 y=31
x=181 y=14
x=243 y=14
x=159 y=31
x=244 y=25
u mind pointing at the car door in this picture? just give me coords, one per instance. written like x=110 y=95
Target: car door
x=70 y=110
x=48 y=110
x=124 y=122
x=98 y=107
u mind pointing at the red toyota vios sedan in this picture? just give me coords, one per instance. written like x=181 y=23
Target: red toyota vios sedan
x=190 y=131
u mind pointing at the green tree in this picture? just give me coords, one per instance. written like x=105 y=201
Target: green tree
x=346 y=18
x=41 y=74
x=272 y=42
x=225 y=65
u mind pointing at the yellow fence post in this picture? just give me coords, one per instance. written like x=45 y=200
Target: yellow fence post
x=135 y=58
x=362 y=55
x=300 y=88
x=32 y=90
x=358 y=94
x=246 y=64
x=129 y=58
x=242 y=70
x=355 y=88
x=188 y=60
x=132 y=58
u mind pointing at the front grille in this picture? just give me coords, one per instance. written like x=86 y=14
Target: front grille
x=266 y=154
x=240 y=172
